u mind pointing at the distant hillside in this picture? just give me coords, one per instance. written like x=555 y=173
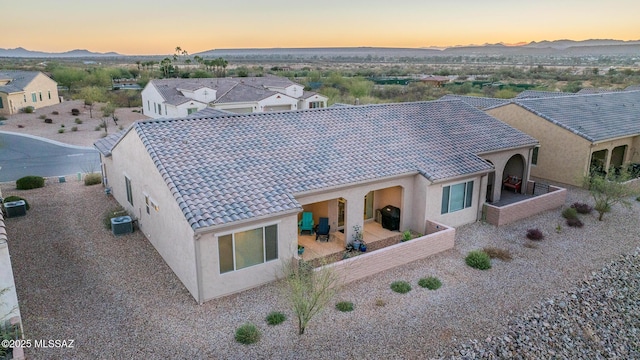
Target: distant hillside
x=594 y=47
x=24 y=53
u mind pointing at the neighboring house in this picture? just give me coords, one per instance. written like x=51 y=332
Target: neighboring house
x=220 y=197
x=536 y=94
x=20 y=89
x=174 y=98
x=434 y=80
x=577 y=133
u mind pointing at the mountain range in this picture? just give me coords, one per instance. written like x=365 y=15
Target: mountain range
x=593 y=47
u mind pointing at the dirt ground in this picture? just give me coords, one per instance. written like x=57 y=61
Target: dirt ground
x=87 y=132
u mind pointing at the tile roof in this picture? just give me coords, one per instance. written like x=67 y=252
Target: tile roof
x=594 y=91
x=242 y=92
x=595 y=117
x=237 y=167
x=106 y=144
x=482 y=103
x=18 y=80
x=168 y=88
x=535 y=94
x=208 y=112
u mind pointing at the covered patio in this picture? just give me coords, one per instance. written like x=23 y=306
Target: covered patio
x=374 y=235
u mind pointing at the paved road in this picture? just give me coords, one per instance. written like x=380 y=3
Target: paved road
x=22 y=155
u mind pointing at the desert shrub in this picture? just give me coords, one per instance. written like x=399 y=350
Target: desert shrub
x=570 y=213
x=638 y=198
x=406 y=236
x=535 y=234
x=109 y=214
x=92 y=179
x=42 y=117
x=401 y=287
x=48 y=121
x=344 y=306
x=29 y=109
x=431 y=283
x=582 y=208
x=29 y=182
x=97 y=128
x=530 y=245
x=381 y=302
x=478 y=259
x=247 y=334
x=3 y=118
x=575 y=223
x=61 y=125
x=497 y=253
x=78 y=121
x=74 y=128
x=75 y=112
x=60 y=131
x=55 y=113
x=275 y=318
x=16 y=198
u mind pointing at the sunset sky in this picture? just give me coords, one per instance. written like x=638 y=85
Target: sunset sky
x=151 y=27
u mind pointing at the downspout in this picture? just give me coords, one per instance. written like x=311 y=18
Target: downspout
x=196 y=239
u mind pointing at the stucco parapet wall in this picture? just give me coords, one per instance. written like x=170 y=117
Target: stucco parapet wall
x=371 y=263
x=507 y=214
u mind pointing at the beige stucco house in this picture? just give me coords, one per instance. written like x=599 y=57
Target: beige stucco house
x=220 y=197
x=170 y=98
x=20 y=89
x=577 y=133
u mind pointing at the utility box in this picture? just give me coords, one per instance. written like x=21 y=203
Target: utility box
x=121 y=225
x=15 y=208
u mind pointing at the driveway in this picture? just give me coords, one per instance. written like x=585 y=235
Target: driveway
x=22 y=155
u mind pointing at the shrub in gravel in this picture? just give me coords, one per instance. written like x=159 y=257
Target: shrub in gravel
x=109 y=214
x=497 y=253
x=2 y=118
x=55 y=113
x=60 y=131
x=401 y=287
x=29 y=109
x=29 y=182
x=275 y=318
x=575 y=223
x=97 y=128
x=535 y=234
x=78 y=121
x=42 y=117
x=344 y=306
x=16 y=198
x=478 y=259
x=431 y=283
x=92 y=179
x=74 y=128
x=247 y=334
x=570 y=213
x=380 y=302
x=582 y=208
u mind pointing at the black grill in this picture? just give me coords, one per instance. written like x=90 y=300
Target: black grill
x=390 y=217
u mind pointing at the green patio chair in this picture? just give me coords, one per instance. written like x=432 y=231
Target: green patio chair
x=306 y=224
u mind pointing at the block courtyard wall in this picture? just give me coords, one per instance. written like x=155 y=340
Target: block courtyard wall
x=373 y=262
x=507 y=214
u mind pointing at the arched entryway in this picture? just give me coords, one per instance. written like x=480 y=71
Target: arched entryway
x=515 y=166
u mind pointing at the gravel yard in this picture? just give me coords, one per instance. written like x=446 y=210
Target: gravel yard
x=117 y=298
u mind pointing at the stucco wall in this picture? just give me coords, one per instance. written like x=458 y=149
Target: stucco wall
x=214 y=284
x=563 y=156
x=9 y=301
x=166 y=228
x=456 y=218
x=634 y=151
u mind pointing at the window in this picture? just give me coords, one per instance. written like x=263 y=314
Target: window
x=127 y=184
x=147 y=203
x=247 y=248
x=49 y=93
x=159 y=109
x=316 y=104
x=1 y=106
x=25 y=97
x=40 y=95
x=34 y=98
x=149 y=105
x=191 y=110
x=456 y=197
x=534 y=156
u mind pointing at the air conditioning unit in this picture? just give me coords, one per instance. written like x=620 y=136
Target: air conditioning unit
x=15 y=208
x=121 y=225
